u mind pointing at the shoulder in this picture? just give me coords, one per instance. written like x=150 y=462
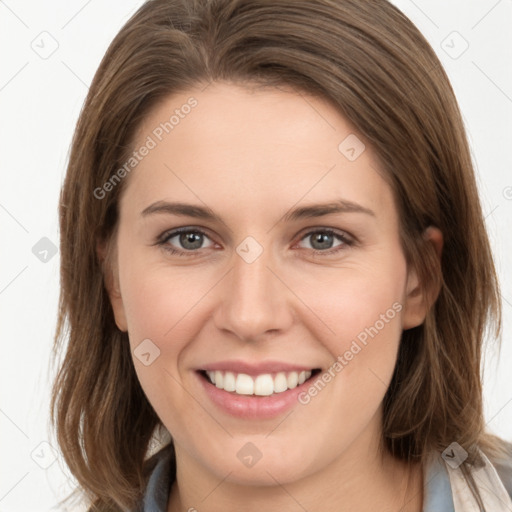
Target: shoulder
x=446 y=487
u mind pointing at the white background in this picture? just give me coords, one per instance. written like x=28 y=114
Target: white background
x=40 y=102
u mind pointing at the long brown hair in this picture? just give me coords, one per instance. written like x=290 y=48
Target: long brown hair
x=372 y=63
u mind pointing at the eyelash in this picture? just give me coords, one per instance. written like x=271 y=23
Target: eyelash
x=165 y=237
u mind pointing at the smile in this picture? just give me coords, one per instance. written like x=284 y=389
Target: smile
x=260 y=385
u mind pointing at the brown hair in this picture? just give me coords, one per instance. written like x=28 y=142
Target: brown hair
x=372 y=63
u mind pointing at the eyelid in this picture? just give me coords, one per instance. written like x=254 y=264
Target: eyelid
x=171 y=233
x=325 y=229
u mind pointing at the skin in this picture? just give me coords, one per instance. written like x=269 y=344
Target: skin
x=251 y=156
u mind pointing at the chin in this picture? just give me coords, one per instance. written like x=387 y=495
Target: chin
x=257 y=463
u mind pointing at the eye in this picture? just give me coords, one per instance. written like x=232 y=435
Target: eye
x=321 y=241
x=188 y=240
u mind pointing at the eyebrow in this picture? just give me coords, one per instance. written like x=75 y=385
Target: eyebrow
x=319 y=210
x=303 y=212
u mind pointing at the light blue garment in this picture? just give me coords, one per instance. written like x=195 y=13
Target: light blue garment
x=437 y=488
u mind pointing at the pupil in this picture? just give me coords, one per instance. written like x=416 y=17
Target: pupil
x=324 y=239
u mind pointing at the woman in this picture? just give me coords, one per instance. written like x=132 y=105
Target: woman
x=275 y=270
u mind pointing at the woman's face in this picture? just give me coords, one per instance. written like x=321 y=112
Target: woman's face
x=267 y=282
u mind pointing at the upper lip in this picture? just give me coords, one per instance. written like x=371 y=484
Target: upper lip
x=237 y=366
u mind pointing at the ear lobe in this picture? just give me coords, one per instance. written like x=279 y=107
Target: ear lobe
x=107 y=256
x=419 y=296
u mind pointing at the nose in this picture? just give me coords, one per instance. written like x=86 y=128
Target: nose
x=254 y=300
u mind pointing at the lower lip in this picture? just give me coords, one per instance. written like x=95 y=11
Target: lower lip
x=251 y=406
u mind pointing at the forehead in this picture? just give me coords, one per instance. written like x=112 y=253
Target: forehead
x=229 y=144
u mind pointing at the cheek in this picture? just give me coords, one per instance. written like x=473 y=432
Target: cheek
x=367 y=325
x=367 y=313
x=159 y=300
x=361 y=325
x=364 y=347
x=357 y=302
x=169 y=307
x=159 y=307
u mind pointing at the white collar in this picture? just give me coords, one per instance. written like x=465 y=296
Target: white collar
x=494 y=495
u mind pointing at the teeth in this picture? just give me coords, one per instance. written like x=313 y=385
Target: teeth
x=229 y=381
x=280 y=383
x=219 y=380
x=292 y=380
x=262 y=385
x=244 y=384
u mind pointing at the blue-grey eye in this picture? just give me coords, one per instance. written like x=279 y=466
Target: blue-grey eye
x=189 y=240
x=322 y=240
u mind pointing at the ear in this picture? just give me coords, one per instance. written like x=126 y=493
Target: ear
x=107 y=255
x=418 y=295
